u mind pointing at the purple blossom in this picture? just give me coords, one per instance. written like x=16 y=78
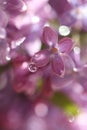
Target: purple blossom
x=71 y=12
x=33 y=96
x=54 y=52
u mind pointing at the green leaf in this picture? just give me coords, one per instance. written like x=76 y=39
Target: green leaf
x=39 y=84
x=65 y=103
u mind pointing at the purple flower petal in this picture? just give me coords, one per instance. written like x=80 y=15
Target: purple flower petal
x=57 y=65
x=41 y=58
x=3 y=20
x=15 y=6
x=65 y=45
x=50 y=37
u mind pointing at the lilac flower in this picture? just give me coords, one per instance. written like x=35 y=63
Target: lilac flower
x=54 y=52
x=71 y=12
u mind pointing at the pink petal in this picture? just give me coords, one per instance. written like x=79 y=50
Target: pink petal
x=50 y=37
x=58 y=65
x=41 y=58
x=65 y=45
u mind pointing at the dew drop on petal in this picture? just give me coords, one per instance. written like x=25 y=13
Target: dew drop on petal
x=32 y=67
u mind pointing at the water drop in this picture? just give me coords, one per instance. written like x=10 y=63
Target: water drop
x=32 y=67
x=64 y=30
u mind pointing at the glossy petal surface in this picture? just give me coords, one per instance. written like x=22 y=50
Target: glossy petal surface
x=58 y=65
x=41 y=58
x=50 y=37
x=65 y=45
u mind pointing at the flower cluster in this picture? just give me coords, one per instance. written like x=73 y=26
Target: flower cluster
x=54 y=52
x=43 y=65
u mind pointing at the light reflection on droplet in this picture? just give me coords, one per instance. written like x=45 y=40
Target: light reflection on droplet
x=64 y=30
x=32 y=67
x=76 y=50
x=41 y=109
